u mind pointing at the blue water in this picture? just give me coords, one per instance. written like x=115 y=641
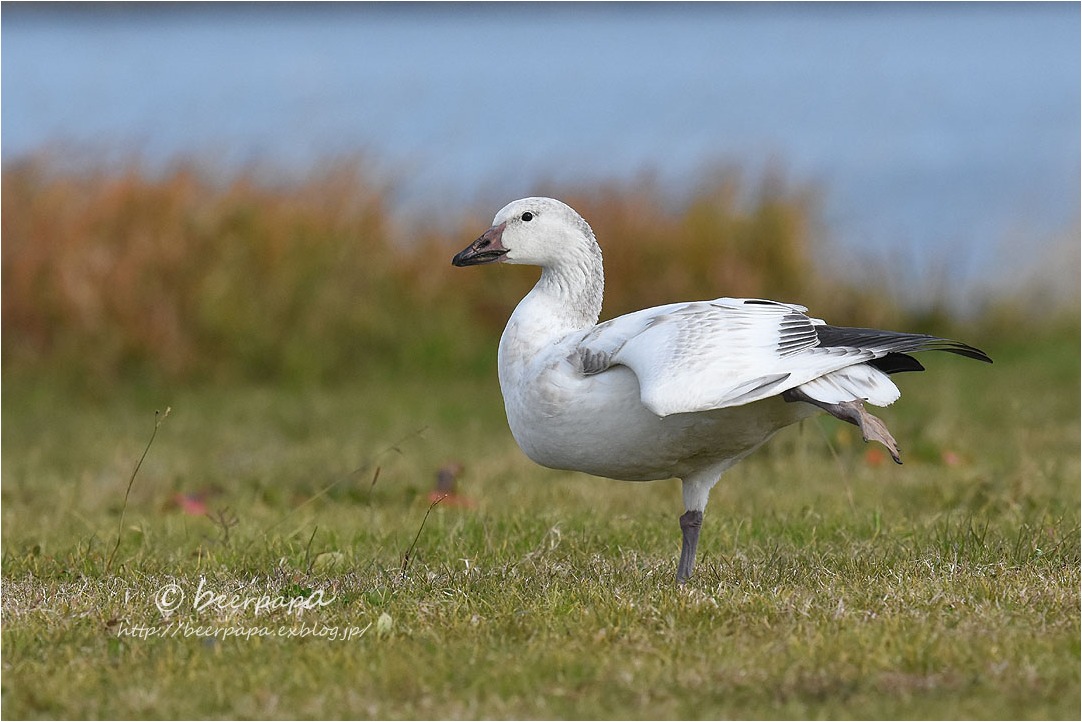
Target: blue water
x=938 y=134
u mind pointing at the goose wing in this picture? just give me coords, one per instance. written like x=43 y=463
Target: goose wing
x=704 y=355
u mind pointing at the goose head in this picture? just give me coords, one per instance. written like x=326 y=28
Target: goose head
x=533 y=231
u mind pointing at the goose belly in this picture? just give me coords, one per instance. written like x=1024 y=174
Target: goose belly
x=597 y=424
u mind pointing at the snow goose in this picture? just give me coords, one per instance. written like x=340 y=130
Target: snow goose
x=683 y=390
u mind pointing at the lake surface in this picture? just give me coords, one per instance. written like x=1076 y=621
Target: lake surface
x=942 y=135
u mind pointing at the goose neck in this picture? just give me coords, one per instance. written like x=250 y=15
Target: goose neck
x=573 y=291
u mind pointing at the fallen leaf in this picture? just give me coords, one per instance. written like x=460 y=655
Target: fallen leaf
x=874 y=456
x=951 y=458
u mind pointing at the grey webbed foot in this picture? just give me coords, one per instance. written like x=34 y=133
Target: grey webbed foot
x=871 y=427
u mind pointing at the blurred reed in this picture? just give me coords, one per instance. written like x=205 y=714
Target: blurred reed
x=182 y=276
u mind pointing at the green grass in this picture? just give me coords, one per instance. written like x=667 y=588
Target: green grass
x=830 y=584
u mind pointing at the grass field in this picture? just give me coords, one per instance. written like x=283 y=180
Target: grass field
x=831 y=582
x=277 y=555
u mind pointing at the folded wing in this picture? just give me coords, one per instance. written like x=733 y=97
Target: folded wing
x=728 y=352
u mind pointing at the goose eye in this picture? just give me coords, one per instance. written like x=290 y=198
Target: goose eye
x=527 y=216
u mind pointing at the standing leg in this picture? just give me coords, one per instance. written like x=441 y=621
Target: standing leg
x=696 y=493
x=690 y=523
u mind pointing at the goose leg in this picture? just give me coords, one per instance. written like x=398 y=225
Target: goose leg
x=696 y=492
x=690 y=523
x=871 y=427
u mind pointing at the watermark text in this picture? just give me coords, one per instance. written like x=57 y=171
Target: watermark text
x=183 y=630
x=171 y=598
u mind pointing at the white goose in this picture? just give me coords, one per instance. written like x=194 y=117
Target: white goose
x=683 y=390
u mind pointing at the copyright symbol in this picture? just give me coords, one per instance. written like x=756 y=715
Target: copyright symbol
x=169 y=598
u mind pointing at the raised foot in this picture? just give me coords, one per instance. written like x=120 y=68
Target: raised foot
x=871 y=427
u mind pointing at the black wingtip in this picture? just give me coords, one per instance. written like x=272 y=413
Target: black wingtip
x=895 y=362
x=896 y=344
x=963 y=349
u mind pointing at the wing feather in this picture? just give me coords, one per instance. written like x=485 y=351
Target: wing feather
x=730 y=351
x=726 y=352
